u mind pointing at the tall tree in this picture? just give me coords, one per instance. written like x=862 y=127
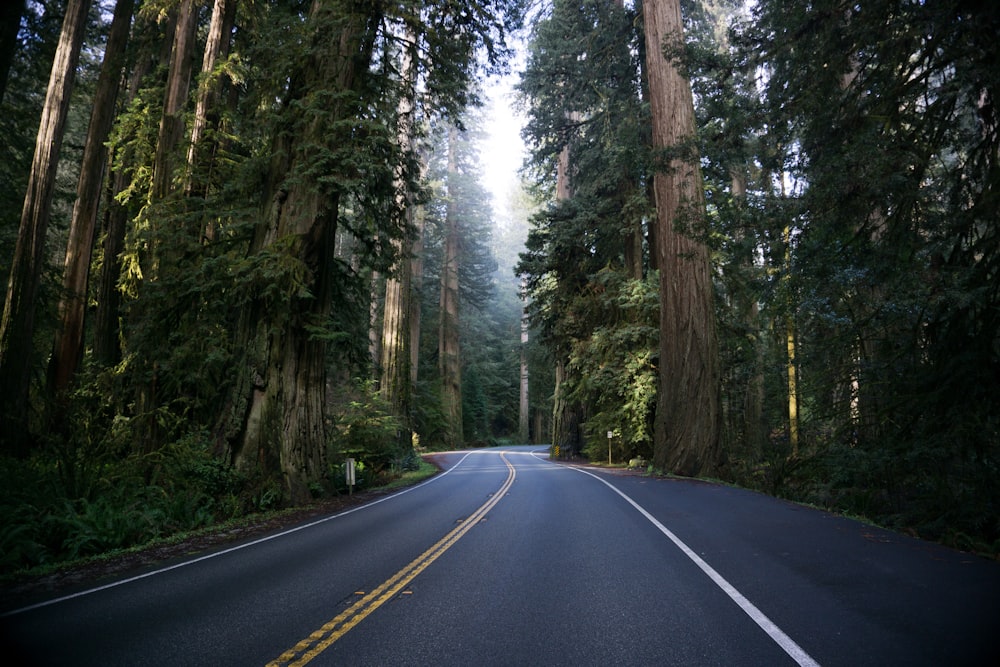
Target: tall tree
x=396 y=355
x=449 y=350
x=587 y=129
x=18 y=324
x=69 y=337
x=523 y=406
x=217 y=45
x=172 y=126
x=277 y=419
x=687 y=410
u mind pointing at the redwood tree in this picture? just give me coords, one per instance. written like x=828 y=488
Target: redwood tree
x=69 y=338
x=449 y=351
x=686 y=439
x=18 y=324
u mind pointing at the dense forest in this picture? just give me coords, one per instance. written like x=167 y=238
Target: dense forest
x=249 y=239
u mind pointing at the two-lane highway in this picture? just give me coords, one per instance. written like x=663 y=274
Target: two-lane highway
x=509 y=559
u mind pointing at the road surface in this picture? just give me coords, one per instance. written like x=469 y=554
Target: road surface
x=507 y=558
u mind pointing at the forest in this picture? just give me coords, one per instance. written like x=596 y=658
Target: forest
x=248 y=240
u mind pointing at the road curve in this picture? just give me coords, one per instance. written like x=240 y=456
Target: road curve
x=509 y=559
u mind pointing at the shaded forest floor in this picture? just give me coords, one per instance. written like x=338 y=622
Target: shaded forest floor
x=25 y=588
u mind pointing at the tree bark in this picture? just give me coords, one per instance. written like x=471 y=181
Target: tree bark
x=565 y=413
x=275 y=420
x=395 y=347
x=68 y=347
x=523 y=404
x=566 y=418
x=449 y=352
x=178 y=85
x=686 y=437
x=18 y=324
x=397 y=335
x=416 y=280
x=216 y=48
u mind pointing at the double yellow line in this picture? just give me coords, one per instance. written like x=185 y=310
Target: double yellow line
x=322 y=639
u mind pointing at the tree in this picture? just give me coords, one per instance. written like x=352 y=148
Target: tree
x=396 y=356
x=449 y=349
x=687 y=411
x=279 y=398
x=333 y=146
x=68 y=346
x=217 y=46
x=18 y=323
x=586 y=130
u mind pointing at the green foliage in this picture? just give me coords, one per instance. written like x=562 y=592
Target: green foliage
x=614 y=369
x=366 y=430
x=78 y=502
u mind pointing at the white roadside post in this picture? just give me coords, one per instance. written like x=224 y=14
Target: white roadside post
x=349 y=475
x=610 y=435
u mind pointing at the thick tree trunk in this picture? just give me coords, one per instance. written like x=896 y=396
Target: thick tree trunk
x=68 y=347
x=275 y=421
x=449 y=352
x=18 y=324
x=395 y=347
x=565 y=413
x=566 y=418
x=686 y=437
x=397 y=333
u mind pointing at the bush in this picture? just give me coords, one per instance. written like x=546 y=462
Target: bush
x=366 y=431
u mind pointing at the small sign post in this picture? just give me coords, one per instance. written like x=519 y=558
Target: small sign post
x=610 y=435
x=349 y=475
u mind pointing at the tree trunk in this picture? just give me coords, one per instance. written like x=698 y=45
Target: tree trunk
x=565 y=413
x=523 y=404
x=107 y=344
x=416 y=280
x=397 y=334
x=18 y=324
x=216 y=48
x=449 y=353
x=395 y=382
x=566 y=417
x=374 y=332
x=69 y=338
x=686 y=438
x=275 y=419
x=793 y=393
x=169 y=139
x=10 y=24
x=178 y=85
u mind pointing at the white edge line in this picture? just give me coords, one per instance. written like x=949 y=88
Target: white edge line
x=214 y=554
x=779 y=637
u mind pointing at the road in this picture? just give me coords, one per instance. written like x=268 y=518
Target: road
x=509 y=559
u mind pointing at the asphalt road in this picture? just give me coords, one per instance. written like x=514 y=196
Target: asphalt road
x=509 y=559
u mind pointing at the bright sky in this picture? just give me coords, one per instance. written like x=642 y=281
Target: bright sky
x=502 y=153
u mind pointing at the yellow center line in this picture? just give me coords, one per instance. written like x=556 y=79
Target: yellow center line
x=322 y=639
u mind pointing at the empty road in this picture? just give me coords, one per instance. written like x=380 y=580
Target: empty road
x=507 y=558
